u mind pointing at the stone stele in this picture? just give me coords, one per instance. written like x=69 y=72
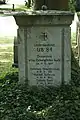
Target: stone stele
x=44 y=47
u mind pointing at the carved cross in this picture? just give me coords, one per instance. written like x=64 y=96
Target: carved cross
x=44 y=35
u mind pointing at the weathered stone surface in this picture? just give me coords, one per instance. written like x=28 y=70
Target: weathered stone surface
x=48 y=18
x=44 y=49
x=44 y=55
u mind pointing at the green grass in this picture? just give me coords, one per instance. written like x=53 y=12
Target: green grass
x=6 y=40
x=6 y=48
x=4 y=67
x=6 y=54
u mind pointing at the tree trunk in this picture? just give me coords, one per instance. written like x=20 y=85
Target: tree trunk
x=29 y=4
x=51 y=4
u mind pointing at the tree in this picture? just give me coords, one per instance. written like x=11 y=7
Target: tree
x=29 y=4
x=51 y=4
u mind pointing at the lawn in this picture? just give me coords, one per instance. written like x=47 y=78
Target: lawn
x=6 y=54
x=6 y=40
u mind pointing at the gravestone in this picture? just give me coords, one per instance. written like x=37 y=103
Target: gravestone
x=44 y=47
x=15 y=64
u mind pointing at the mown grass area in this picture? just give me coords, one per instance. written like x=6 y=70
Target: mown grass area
x=21 y=102
x=6 y=40
x=6 y=60
x=6 y=54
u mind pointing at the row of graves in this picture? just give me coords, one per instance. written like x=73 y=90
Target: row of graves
x=43 y=46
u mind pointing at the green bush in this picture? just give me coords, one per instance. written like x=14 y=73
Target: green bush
x=72 y=5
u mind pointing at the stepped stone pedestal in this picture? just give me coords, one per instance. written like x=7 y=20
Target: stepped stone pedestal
x=44 y=47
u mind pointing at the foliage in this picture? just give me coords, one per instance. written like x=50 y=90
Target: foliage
x=21 y=102
x=72 y=4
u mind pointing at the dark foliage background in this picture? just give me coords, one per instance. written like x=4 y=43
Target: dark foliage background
x=72 y=5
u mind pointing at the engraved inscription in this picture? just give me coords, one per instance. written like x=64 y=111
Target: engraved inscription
x=44 y=59
x=43 y=71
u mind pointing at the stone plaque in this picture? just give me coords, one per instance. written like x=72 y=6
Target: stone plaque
x=44 y=55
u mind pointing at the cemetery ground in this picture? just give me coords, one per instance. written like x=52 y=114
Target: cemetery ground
x=20 y=102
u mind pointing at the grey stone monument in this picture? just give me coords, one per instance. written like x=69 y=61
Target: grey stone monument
x=44 y=47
